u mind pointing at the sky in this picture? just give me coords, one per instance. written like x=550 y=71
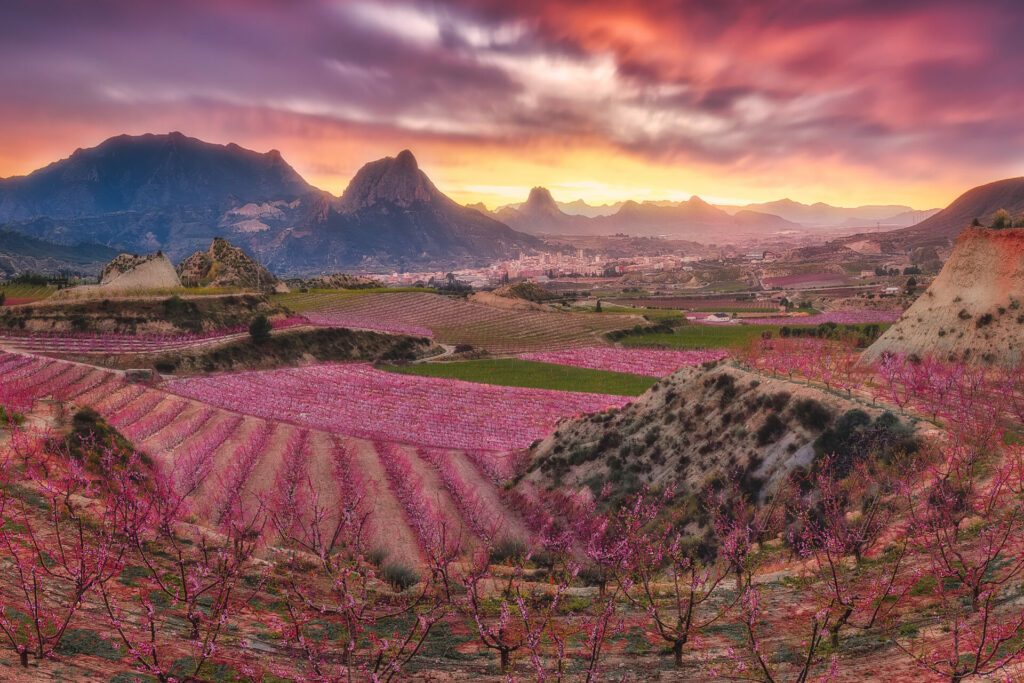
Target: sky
x=844 y=101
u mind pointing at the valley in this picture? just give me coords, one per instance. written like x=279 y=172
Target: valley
x=431 y=341
x=477 y=458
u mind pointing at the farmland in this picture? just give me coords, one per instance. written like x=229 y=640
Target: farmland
x=734 y=337
x=18 y=293
x=648 y=362
x=359 y=400
x=456 y=321
x=514 y=372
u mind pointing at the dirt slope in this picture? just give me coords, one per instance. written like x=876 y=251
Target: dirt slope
x=973 y=309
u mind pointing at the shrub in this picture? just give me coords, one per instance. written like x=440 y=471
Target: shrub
x=812 y=414
x=771 y=430
x=984 y=320
x=399 y=576
x=259 y=329
x=1002 y=220
x=507 y=549
x=80 y=641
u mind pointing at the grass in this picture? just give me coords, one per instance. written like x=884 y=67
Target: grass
x=653 y=314
x=702 y=337
x=313 y=299
x=713 y=336
x=512 y=372
x=23 y=293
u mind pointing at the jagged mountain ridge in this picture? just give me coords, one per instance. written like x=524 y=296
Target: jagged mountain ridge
x=392 y=215
x=175 y=193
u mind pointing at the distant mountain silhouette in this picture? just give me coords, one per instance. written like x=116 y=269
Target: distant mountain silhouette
x=175 y=193
x=541 y=214
x=392 y=214
x=149 y=172
x=820 y=214
x=693 y=219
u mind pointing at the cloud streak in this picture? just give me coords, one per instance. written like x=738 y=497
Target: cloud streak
x=858 y=99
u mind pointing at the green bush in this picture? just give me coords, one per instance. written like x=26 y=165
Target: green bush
x=771 y=430
x=399 y=576
x=259 y=329
x=80 y=641
x=507 y=549
x=812 y=414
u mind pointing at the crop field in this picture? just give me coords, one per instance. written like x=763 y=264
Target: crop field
x=837 y=317
x=18 y=293
x=245 y=453
x=356 y=399
x=107 y=343
x=700 y=304
x=733 y=337
x=516 y=372
x=456 y=321
x=806 y=280
x=647 y=362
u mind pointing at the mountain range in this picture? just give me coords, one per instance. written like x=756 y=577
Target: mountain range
x=693 y=219
x=175 y=193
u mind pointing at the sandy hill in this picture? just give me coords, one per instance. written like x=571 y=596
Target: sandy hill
x=697 y=427
x=973 y=309
x=129 y=271
x=225 y=265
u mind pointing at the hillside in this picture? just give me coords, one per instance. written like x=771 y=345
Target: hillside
x=225 y=265
x=972 y=310
x=130 y=271
x=981 y=202
x=700 y=426
x=20 y=253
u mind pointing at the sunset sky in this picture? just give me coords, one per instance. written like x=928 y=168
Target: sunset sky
x=843 y=101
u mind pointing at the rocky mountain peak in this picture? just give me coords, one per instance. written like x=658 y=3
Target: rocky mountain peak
x=396 y=181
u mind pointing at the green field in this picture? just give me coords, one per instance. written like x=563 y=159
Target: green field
x=652 y=314
x=512 y=372
x=315 y=299
x=17 y=292
x=716 y=336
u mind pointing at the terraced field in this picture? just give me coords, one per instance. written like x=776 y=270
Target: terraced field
x=457 y=321
x=437 y=451
x=19 y=293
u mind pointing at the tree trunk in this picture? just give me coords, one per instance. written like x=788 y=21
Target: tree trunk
x=677 y=652
x=506 y=661
x=23 y=656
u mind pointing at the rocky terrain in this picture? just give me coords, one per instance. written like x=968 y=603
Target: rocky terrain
x=972 y=310
x=143 y=316
x=133 y=272
x=225 y=265
x=703 y=426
